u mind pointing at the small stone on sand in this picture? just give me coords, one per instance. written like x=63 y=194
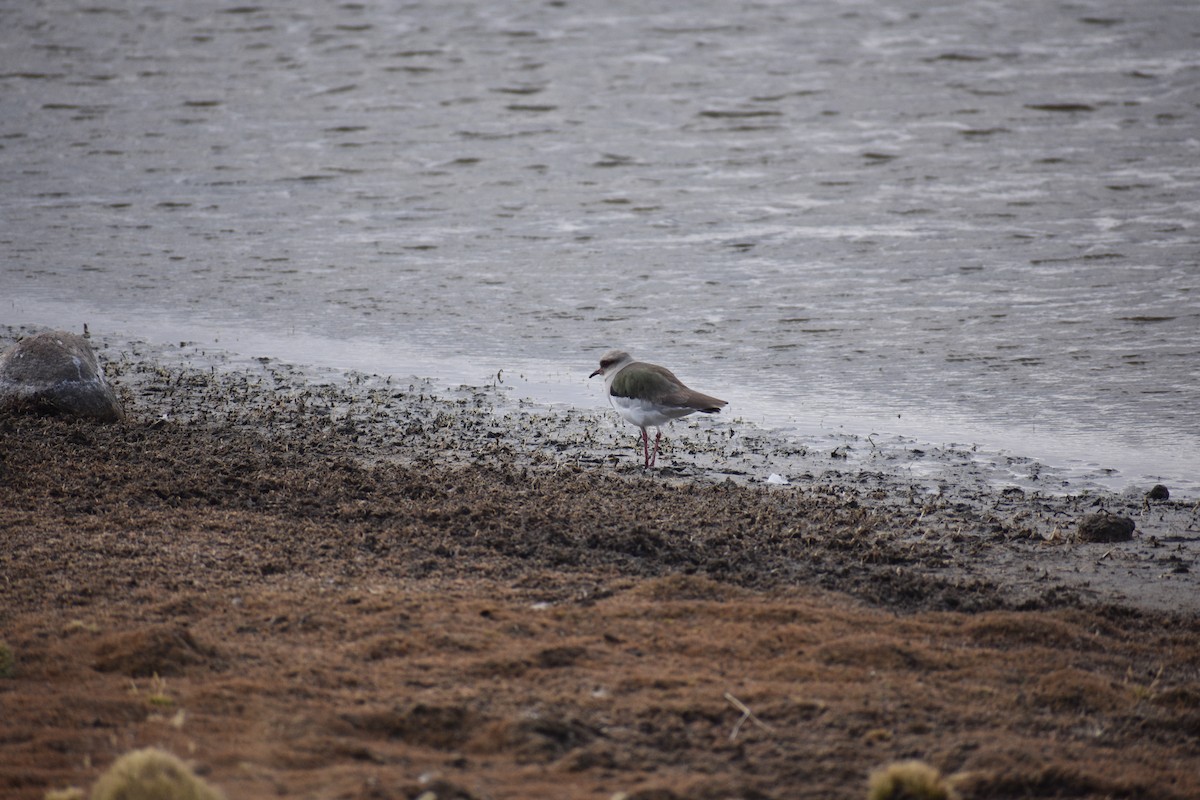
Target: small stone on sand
x=1159 y=492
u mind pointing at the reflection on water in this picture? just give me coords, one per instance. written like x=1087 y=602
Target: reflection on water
x=975 y=221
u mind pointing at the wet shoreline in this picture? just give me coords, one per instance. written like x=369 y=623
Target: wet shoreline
x=930 y=446
x=976 y=530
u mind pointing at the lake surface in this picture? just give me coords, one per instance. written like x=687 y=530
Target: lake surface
x=951 y=223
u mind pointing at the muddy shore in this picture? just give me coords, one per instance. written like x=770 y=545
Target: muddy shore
x=320 y=585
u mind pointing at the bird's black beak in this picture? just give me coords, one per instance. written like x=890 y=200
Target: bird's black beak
x=597 y=372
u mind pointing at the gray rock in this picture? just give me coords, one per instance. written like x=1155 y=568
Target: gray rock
x=1105 y=527
x=1159 y=492
x=56 y=372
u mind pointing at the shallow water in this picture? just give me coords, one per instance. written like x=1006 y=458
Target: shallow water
x=973 y=223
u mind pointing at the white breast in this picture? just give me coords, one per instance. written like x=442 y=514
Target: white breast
x=646 y=414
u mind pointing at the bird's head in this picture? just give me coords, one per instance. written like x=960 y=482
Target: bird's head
x=613 y=359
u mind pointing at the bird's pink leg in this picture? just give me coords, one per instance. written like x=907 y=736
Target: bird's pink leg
x=645 y=449
x=657 y=436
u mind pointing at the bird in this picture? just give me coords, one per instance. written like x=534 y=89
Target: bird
x=647 y=395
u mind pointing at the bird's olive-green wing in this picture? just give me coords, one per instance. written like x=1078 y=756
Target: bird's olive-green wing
x=659 y=385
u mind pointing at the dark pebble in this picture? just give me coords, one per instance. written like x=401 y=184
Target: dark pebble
x=1159 y=492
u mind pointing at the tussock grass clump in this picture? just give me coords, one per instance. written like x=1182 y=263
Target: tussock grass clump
x=909 y=780
x=152 y=774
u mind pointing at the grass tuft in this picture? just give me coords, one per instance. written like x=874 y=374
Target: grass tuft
x=152 y=774
x=909 y=780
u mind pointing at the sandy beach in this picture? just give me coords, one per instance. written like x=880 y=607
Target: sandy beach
x=322 y=586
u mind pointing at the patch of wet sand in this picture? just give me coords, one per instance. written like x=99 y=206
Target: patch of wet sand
x=354 y=588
